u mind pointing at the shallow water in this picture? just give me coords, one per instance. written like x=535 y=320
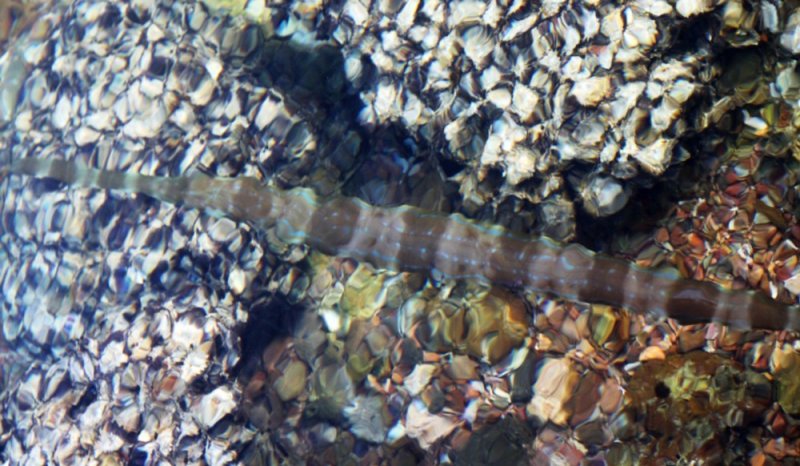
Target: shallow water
x=135 y=331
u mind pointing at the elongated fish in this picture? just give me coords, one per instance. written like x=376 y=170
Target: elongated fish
x=410 y=239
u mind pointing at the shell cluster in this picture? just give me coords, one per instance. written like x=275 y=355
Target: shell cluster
x=121 y=317
x=540 y=106
x=530 y=91
x=582 y=93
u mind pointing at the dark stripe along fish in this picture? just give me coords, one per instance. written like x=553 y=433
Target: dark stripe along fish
x=411 y=239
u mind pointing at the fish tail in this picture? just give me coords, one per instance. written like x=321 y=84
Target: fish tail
x=61 y=170
x=78 y=174
x=242 y=198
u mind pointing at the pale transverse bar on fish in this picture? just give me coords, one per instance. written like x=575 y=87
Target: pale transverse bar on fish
x=411 y=239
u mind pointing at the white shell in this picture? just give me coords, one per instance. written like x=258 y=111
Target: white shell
x=656 y=157
x=478 y=45
x=214 y=406
x=591 y=91
x=790 y=39
x=63 y=112
x=688 y=8
x=524 y=102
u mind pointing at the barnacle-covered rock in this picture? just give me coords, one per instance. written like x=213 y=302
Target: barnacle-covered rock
x=111 y=294
x=533 y=93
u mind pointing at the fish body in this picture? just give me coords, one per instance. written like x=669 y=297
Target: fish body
x=410 y=239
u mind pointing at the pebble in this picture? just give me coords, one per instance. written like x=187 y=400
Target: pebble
x=292 y=381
